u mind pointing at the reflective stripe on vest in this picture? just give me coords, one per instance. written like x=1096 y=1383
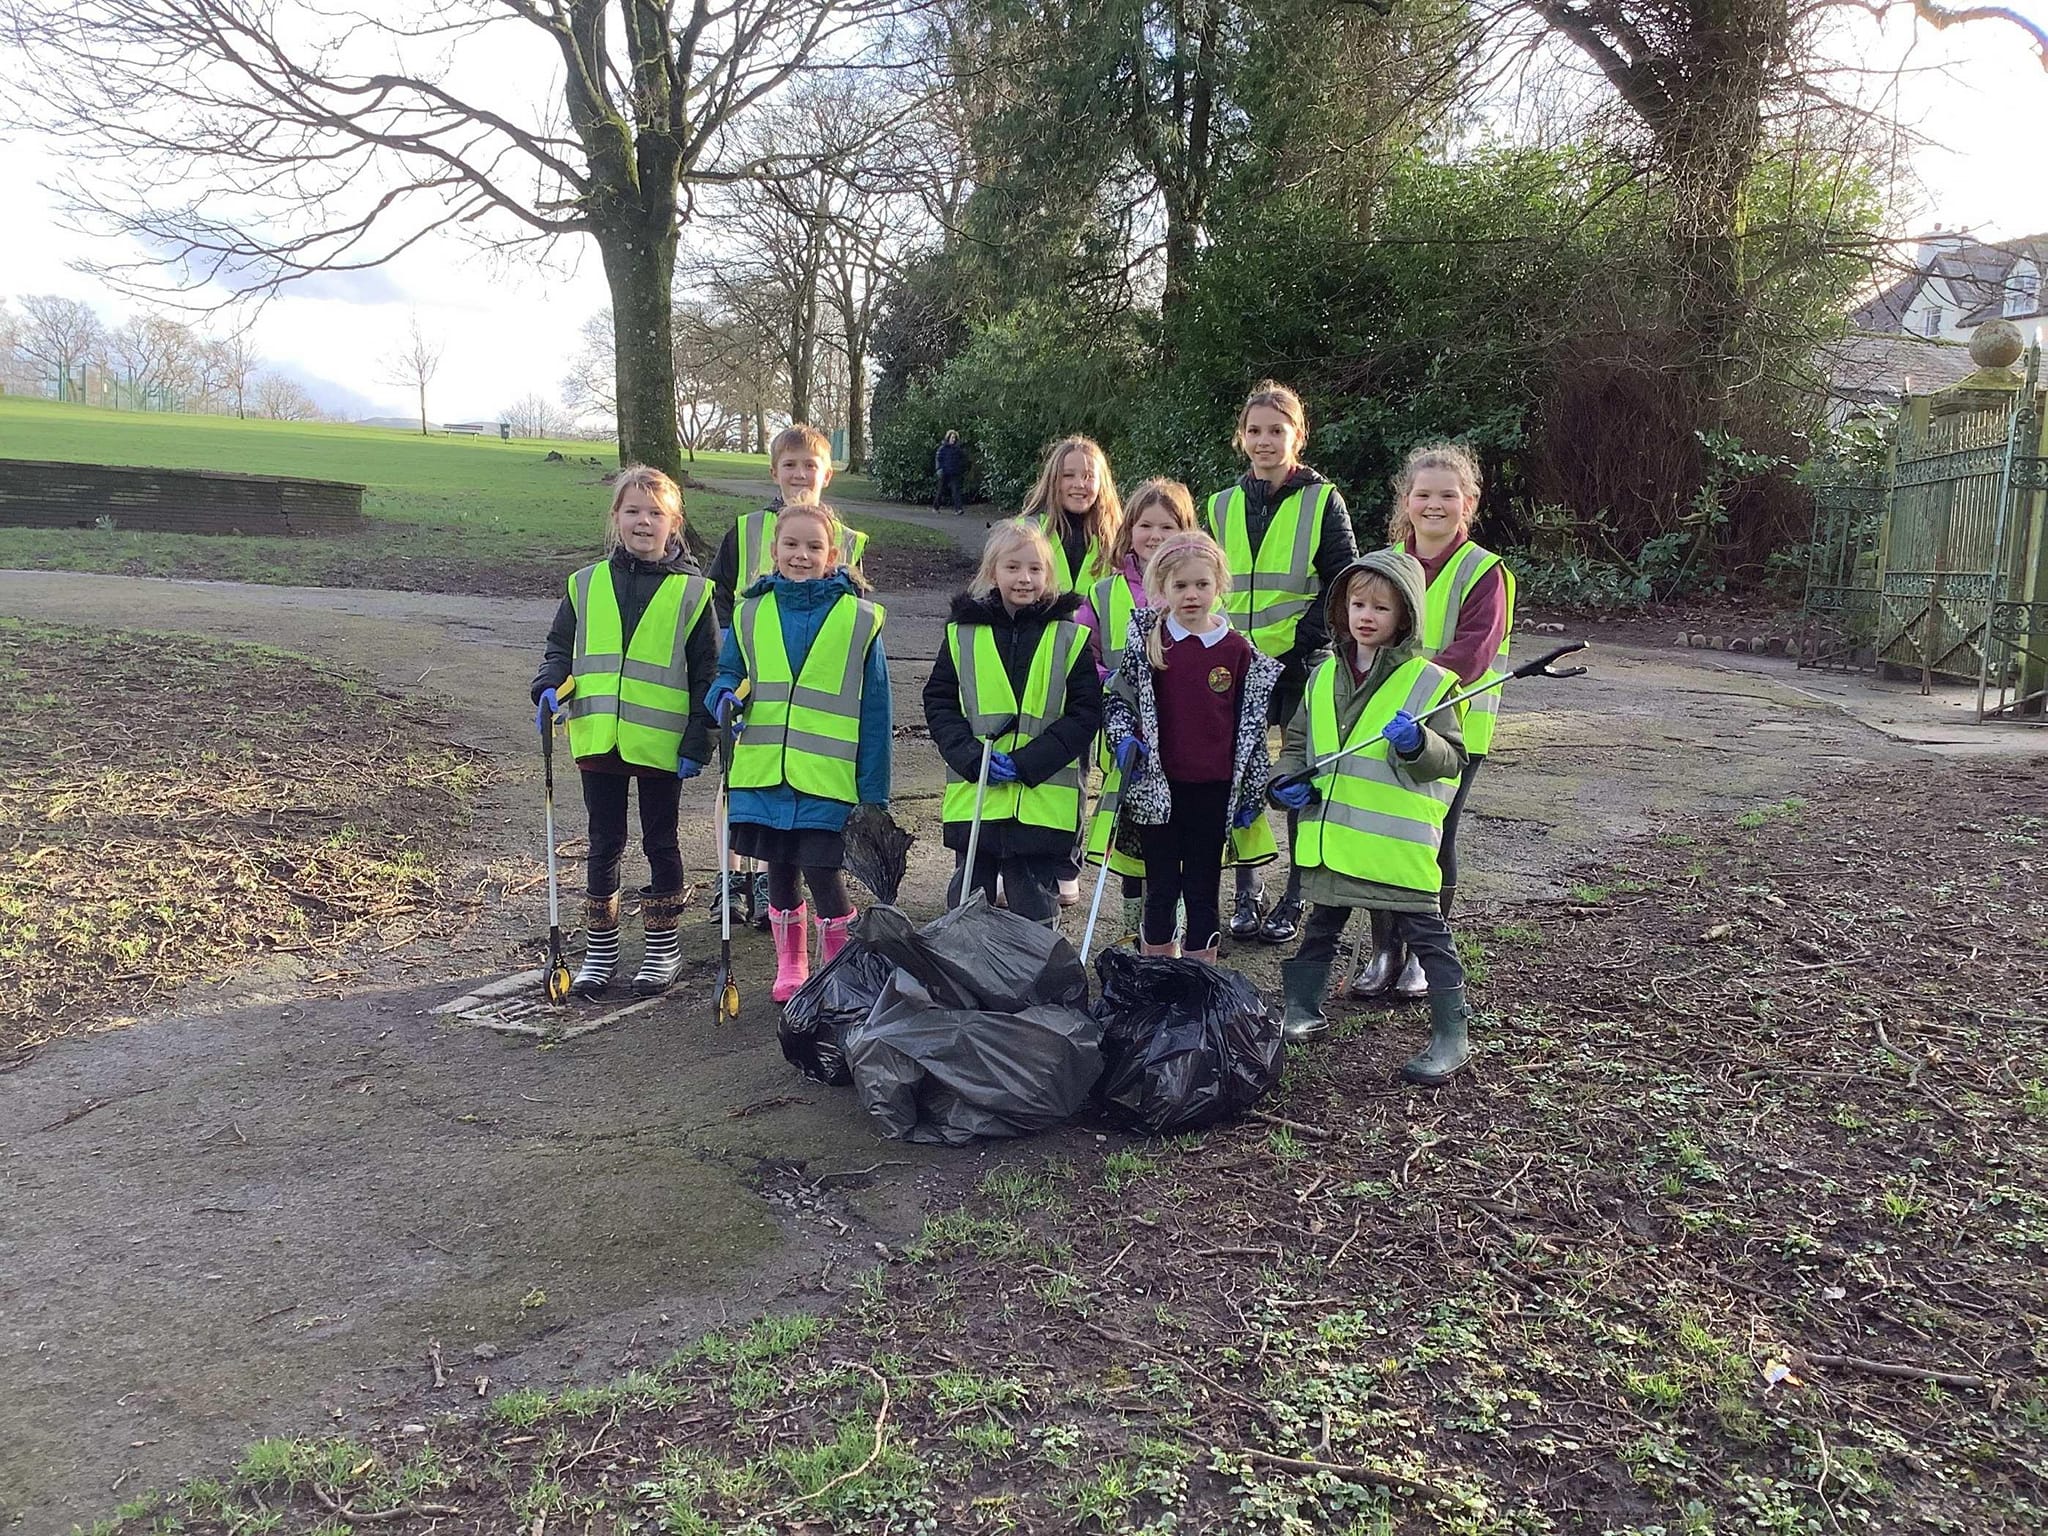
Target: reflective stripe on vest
x=1064 y=574
x=1272 y=587
x=987 y=700
x=1441 y=607
x=633 y=697
x=754 y=538
x=1254 y=844
x=1113 y=604
x=803 y=729
x=1371 y=823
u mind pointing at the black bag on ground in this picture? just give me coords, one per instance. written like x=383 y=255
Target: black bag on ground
x=1186 y=1044
x=815 y=1021
x=981 y=1029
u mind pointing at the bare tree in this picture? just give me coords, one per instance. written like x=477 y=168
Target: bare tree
x=257 y=142
x=17 y=374
x=277 y=398
x=231 y=363
x=58 y=338
x=590 y=387
x=155 y=359
x=535 y=415
x=414 y=363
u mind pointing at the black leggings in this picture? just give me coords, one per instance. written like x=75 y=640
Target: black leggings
x=1447 y=850
x=1184 y=861
x=604 y=796
x=827 y=883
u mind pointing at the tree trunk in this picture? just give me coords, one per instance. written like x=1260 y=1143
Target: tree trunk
x=423 y=407
x=856 y=404
x=639 y=266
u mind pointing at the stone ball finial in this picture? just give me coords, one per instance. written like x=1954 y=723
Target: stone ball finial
x=1996 y=344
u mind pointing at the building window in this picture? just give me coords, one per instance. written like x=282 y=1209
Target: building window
x=1934 y=320
x=2023 y=289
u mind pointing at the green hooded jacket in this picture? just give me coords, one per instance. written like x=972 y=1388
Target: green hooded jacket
x=1442 y=755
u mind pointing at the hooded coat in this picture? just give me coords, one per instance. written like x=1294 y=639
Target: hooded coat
x=1060 y=743
x=1441 y=756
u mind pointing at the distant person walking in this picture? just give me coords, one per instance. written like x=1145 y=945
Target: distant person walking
x=949 y=464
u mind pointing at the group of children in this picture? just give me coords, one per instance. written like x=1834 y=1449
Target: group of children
x=1135 y=636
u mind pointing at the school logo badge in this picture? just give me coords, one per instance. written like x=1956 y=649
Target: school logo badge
x=1219 y=679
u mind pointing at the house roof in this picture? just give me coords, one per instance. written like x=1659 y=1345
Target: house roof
x=1873 y=367
x=1973 y=271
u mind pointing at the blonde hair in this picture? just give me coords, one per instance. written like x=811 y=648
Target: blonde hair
x=835 y=535
x=666 y=493
x=1457 y=458
x=1340 y=600
x=798 y=435
x=1276 y=396
x=1104 y=519
x=1156 y=492
x=1003 y=538
x=1179 y=550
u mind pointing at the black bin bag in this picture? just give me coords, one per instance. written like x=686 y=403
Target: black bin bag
x=981 y=1030
x=815 y=1021
x=1185 y=1044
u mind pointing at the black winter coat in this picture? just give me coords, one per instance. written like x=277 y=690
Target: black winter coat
x=1063 y=742
x=636 y=581
x=1336 y=548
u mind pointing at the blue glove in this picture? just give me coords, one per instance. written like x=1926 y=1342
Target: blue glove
x=1403 y=733
x=1002 y=769
x=724 y=706
x=1130 y=752
x=550 y=706
x=1246 y=815
x=685 y=769
x=1295 y=797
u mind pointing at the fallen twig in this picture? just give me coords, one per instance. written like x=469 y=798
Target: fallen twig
x=881 y=1419
x=1371 y=1476
x=1293 y=1125
x=80 y=1114
x=342 y=1512
x=1961 y=1380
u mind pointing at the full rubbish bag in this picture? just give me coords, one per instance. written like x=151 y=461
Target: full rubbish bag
x=981 y=1030
x=815 y=1021
x=1186 y=1044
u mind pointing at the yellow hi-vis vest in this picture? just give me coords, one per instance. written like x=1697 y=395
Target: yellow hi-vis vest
x=1372 y=823
x=1254 y=844
x=636 y=697
x=1064 y=574
x=1113 y=604
x=1440 y=607
x=987 y=700
x=803 y=730
x=1273 y=586
x=754 y=538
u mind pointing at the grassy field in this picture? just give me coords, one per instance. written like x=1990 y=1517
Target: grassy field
x=451 y=513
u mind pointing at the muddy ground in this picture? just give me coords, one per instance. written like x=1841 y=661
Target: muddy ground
x=266 y=1214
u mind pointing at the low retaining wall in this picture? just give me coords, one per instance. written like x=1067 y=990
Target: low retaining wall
x=39 y=495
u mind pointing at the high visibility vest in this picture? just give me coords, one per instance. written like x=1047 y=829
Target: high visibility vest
x=803 y=729
x=1064 y=574
x=1370 y=823
x=988 y=700
x=633 y=697
x=1446 y=596
x=1113 y=604
x=1270 y=587
x=754 y=537
x=1254 y=844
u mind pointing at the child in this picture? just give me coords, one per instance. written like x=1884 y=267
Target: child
x=1074 y=503
x=635 y=632
x=814 y=734
x=1468 y=613
x=1157 y=510
x=1188 y=727
x=1285 y=533
x=1369 y=822
x=800 y=464
x=1014 y=649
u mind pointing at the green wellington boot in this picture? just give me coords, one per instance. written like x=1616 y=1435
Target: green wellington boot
x=1302 y=984
x=1450 y=1044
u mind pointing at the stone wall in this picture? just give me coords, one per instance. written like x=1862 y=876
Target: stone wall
x=39 y=495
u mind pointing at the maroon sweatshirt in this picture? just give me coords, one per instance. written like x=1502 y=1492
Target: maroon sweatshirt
x=1200 y=692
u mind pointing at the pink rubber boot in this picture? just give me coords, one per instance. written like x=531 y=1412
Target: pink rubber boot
x=792 y=951
x=833 y=932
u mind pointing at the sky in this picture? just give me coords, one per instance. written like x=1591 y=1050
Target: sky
x=1978 y=91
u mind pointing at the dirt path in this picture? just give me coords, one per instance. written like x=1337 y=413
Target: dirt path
x=278 y=1207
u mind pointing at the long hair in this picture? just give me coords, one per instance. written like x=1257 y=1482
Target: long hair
x=1156 y=492
x=666 y=493
x=1010 y=534
x=835 y=535
x=1183 y=549
x=1277 y=396
x=1457 y=458
x=1100 y=522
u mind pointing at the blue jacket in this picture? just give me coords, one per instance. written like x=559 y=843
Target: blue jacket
x=802 y=606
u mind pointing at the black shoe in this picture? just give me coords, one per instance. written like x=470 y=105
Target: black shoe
x=732 y=888
x=1283 y=922
x=1246 y=914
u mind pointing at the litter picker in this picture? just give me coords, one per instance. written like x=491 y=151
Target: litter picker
x=558 y=977
x=727 y=989
x=1540 y=667
x=1116 y=806
x=988 y=748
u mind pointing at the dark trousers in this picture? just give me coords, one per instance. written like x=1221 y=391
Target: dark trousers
x=1447 y=850
x=951 y=485
x=1426 y=934
x=1030 y=885
x=1184 y=860
x=604 y=796
x=828 y=888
